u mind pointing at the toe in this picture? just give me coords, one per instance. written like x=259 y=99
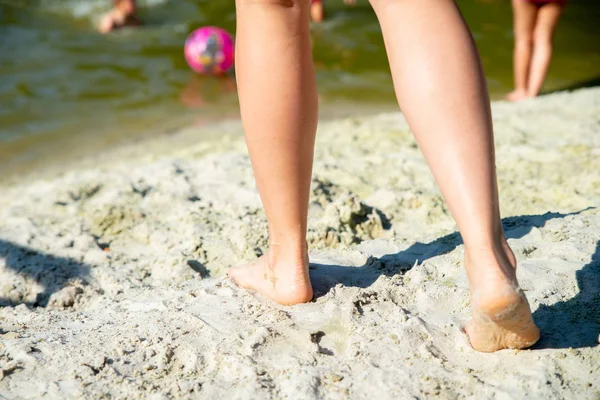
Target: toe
x=237 y=274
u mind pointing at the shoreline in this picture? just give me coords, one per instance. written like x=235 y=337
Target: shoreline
x=112 y=275
x=186 y=130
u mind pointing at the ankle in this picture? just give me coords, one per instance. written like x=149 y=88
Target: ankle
x=500 y=254
x=493 y=258
x=292 y=255
x=290 y=268
x=532 y=93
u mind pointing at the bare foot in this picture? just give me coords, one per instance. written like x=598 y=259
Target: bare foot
x=282 y=283
x=502 y=321
x=501 y=317
x=517 y=95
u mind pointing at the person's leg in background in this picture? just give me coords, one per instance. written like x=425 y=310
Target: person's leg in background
x=317 y=12
x=278 y=102
x=441 y=89
x=524 y=17
x=545 y=25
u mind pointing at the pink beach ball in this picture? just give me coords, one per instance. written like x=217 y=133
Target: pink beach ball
x=209 y=50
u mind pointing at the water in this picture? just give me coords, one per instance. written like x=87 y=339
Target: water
x=67 y=91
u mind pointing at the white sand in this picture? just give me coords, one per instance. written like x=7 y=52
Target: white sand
x=153 y=317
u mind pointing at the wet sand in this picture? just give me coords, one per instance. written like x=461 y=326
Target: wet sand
x=112 y=274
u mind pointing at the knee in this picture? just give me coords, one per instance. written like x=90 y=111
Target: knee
x=542 y=38
x=524 y=39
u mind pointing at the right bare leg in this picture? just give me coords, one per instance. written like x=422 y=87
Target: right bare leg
x=278 y=101
x=524 y=16
x=441 y=89
x=545 y=26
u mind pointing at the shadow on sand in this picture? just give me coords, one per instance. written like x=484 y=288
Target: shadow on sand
x=51 y=272
x=575 y=322
x=572 y=323
x=579 y=311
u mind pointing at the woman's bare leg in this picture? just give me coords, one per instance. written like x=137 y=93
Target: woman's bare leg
x=524 y=16
x=545 y=25
x=279 y=112
x=317 y=12
x=441 y=89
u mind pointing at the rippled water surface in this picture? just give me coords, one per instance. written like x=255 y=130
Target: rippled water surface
x=66 y=90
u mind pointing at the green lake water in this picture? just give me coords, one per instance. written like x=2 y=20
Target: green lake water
x=66 y=91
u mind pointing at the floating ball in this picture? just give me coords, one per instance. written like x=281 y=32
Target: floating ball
x=209 y=50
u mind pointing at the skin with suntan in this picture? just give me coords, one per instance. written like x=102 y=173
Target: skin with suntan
x=441 y=89
x=534 y=26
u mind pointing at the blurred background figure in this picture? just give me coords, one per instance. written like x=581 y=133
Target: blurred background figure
x=534 y=25
x=317 y=13
x=122 y=15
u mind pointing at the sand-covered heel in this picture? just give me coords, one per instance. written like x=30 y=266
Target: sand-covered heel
x=504 y=322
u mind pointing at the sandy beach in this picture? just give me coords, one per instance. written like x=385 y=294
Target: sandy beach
x=112 y=274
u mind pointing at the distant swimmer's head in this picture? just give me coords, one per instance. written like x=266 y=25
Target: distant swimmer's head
x=127 y=7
